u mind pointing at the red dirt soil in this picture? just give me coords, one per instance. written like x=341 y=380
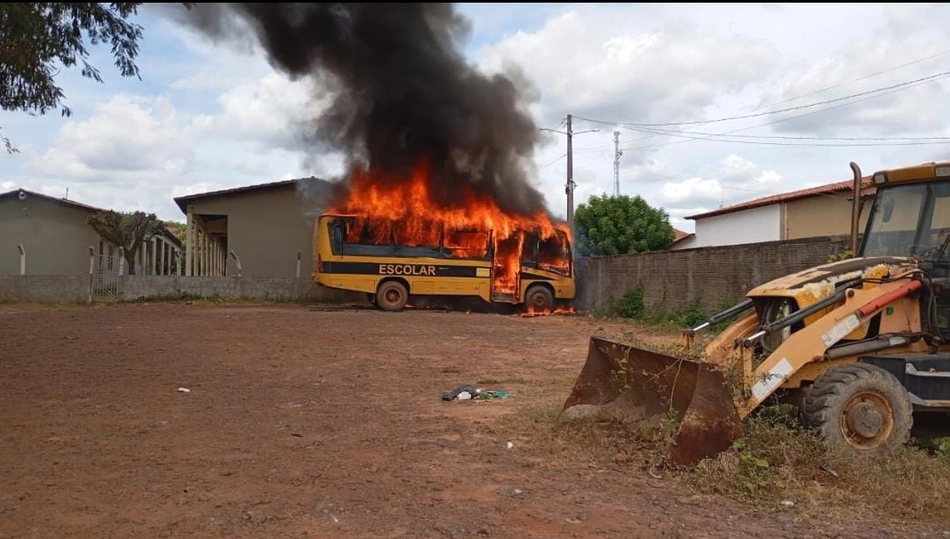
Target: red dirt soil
x=311 y=422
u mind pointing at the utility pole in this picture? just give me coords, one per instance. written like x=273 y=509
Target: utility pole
x=569 y=187
x=617 y=154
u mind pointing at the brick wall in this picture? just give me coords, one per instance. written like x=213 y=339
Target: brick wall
x=710 y=276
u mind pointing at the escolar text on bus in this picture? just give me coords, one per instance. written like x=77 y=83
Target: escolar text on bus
x=406 y=269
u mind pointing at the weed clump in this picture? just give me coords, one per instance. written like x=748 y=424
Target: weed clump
x=779 y=463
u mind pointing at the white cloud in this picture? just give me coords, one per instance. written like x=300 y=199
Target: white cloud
x=740 y=170
x=138 y=152
x=595 y=65
x=650 y=64
x=899 y=51
x=127 y=134
x=193 y=189
x=268 y=112
x=650 y=170
x=215 y=116
x=691 y=190
x=201 y=80
x=735 y=178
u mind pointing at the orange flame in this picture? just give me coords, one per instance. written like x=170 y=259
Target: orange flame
x=532 y=312
x=407 y=214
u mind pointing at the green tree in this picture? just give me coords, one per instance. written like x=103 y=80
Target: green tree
x=127 y=230
x=180 y=231
x=608 y=225
x=37 y=40
x=177 y=228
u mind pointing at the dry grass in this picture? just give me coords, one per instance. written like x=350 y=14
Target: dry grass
x=778 y=462
x=777 y=465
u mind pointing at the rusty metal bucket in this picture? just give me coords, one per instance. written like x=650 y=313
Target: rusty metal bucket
x=682 y=400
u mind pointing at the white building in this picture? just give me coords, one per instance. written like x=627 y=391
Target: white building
x=818 y=211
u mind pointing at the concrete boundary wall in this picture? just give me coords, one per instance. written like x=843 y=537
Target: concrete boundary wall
x=136 y=287
x=45 y=288
x=70 y=289
x=710 y=277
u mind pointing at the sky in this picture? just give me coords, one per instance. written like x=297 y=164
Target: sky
x=715 y=104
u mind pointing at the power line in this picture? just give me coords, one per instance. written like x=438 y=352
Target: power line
x=773 y=122
x=781 y=141
x=928 y=78
x=546 y=165
x=829 y=144
x=785 y=137
x=870 y=75
x=818 y=141
x=859 y=79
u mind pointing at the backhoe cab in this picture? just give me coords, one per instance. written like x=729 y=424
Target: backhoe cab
x=860 y=344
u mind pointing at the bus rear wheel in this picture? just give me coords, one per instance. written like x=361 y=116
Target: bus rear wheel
x=392 y=296
x=539 y=299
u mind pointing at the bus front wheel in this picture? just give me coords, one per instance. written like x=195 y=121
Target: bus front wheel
x=392 y=296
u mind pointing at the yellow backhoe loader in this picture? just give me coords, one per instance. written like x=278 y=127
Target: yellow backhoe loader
x=861 y=344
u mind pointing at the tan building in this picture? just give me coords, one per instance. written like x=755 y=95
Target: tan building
x=55 y=238
x=681 y=238
x=255 y=231
x=817 y=211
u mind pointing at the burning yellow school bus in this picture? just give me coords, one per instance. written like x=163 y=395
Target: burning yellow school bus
x=364 y=255
x=392 y=242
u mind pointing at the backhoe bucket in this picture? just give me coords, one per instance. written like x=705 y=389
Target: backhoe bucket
x=665 y=395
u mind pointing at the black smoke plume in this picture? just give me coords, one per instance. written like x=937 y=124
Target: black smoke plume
x=402 y=92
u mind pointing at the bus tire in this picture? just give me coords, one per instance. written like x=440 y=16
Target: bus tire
x=539 y=298
x=392 y=296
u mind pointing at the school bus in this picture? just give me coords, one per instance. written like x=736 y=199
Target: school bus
x=392 y=265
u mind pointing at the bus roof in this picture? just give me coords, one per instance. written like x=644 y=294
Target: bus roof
x=557 y=230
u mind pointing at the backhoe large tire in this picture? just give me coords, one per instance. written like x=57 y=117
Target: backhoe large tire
x=859 y=407
x=392 y=296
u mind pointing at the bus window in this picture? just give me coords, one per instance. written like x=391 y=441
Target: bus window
x=367 y=232
x=336 y=227
x=529 y=250
x=462 y=243
x=416 y=241
x=367 y=237
x=554 y=255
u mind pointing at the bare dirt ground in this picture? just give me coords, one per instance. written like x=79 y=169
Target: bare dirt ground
x=324 y=423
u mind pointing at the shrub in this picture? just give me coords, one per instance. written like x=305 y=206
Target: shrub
x=630 y=305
